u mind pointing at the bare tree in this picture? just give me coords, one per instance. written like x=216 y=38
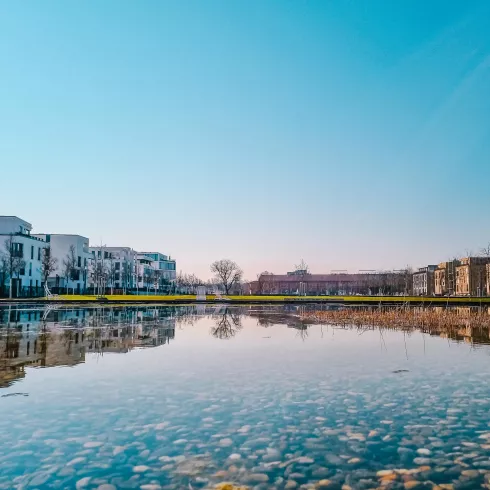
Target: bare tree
x=485 y=251
x=227 y=273
x=70 y=266
x=4 y=272
x=148 y=277
x=125 y=275
x=14 y=260
x=48 y=264
x=194 y=282
x=111 y=272
x=98 y=270
x=98 y=274
x=157 y=279
x=302 y=268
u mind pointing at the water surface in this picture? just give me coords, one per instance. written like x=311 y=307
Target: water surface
x=190 y=397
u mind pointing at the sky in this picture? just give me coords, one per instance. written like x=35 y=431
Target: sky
x=351 y=134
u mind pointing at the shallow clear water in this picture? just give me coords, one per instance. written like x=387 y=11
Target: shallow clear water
x=184 y=397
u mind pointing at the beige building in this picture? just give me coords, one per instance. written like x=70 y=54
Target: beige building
x=423 y=281
x=471 y=276
x=445 y=278
x=488 y=282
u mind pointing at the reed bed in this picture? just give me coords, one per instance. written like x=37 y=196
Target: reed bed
x=433 y=320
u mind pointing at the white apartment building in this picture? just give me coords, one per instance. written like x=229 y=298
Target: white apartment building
x=16 y=242
x=118 y=263
x=144 y=272
x=163 y=263
x=61 y=249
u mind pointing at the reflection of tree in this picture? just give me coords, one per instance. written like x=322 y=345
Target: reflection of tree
x=302 y=331
x=227 y=325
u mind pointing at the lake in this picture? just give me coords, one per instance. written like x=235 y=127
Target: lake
x=192 y=397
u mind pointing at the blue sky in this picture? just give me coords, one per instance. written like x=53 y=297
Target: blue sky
x=353 y=134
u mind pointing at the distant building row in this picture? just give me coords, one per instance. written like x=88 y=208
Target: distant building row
x=78 y=267
x=304 y=283
x=469 y=276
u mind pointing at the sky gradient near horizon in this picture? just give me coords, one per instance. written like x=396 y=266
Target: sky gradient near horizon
x=352 y=134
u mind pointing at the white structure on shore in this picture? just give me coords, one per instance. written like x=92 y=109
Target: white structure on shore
x=17 y=245
x=73 y=249
x=75 y=271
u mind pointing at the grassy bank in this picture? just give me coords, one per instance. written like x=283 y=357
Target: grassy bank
x=189 y=298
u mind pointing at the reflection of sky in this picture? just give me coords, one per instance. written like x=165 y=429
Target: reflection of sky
x=268 y=378
x=256 y=349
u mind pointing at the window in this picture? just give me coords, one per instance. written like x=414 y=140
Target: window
x=32 y=252
x=118 y=266
x=39 y=253
x=30 y=270
x=85 y=262
x=106 y=255
x=98 y=254
x=37 y=283
x=79 y=261
x=116 y=276
x=18 y=250
x=22 y=271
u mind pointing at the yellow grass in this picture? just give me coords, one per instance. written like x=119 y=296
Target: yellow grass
x=276 y=299
x=126 y=297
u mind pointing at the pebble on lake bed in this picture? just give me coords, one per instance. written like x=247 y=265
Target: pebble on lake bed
x=83 y=482
x=226 y=442
x=229 y=486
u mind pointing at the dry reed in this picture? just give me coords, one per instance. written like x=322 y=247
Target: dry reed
x=432 y=320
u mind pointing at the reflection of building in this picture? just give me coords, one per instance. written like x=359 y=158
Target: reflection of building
x=125 y=338
x=58 y=336
x=38 y=349
x=471 y=276
x=423 y=281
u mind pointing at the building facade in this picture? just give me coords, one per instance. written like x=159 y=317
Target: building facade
x=445 y=278
x=423 y=281
x=73 y=249
x=471 y=276
x=390 y=283
x=118 y=265
x=144 y=273
x=20 y=259
x=163 y=263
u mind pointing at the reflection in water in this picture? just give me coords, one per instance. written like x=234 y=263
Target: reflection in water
x=50 y=337
x=228 y=323
x=469 y=324
x=332 y=410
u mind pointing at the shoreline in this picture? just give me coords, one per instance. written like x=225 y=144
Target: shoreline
x=231 y=300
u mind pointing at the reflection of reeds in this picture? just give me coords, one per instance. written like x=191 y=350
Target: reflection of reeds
x=432 y=320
